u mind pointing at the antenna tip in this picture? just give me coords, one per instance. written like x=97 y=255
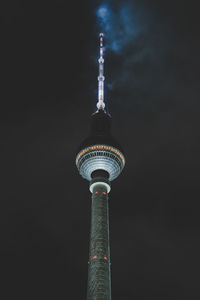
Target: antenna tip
x=101 y=34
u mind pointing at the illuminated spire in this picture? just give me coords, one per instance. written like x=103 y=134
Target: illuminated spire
x=101 y=78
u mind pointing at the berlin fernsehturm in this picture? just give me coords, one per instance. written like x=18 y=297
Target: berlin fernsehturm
x=100 y=160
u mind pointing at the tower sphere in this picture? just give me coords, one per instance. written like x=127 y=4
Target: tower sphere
x=100 y=151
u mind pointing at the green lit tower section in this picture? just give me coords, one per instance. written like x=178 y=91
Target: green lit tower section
x=100 y=160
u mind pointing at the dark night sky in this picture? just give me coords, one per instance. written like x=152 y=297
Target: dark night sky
x=48 y=91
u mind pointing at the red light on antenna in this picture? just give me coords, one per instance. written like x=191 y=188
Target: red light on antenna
x=96 y=192
x=104 y=193
x=95 y=256
x=105 y=257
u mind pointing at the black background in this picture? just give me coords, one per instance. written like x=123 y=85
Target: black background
x=48 y=91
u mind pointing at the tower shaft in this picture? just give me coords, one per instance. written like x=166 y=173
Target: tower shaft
x=99 y=278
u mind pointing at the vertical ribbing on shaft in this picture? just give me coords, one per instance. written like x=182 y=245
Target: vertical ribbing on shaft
x=99 y=278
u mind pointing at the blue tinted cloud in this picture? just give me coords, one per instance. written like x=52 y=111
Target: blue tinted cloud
x=120 y=26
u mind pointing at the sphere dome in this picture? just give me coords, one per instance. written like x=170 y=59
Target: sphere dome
x=100 y=150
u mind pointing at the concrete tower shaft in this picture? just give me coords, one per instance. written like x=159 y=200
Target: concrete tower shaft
x=99 y=278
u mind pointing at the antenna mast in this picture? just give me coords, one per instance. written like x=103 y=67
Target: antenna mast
x=101 y=78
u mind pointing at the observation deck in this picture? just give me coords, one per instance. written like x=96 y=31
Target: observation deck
x=100 y=151
x=100 y=157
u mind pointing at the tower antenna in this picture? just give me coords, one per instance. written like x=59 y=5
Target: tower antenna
x=101 y=78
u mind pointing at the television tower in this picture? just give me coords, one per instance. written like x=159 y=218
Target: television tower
x=100 y=160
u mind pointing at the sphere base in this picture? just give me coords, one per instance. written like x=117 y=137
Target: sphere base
x=100 y=180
